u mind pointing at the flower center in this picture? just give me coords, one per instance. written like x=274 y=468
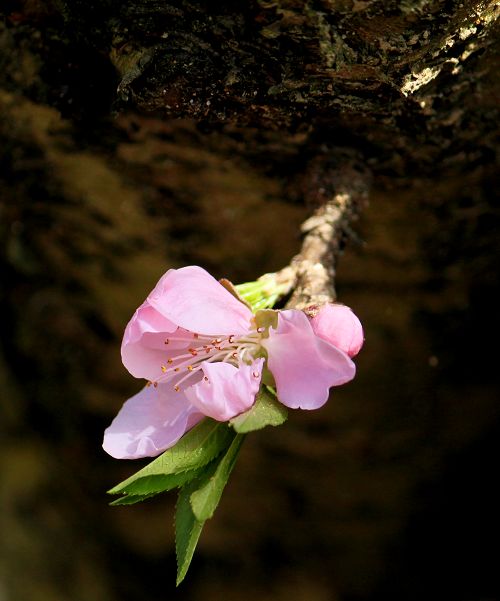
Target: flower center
x=207 y=349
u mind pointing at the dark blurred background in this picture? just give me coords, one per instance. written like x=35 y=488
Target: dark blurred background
x=388 y=492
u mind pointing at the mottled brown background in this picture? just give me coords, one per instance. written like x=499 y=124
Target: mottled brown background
x=388 y=492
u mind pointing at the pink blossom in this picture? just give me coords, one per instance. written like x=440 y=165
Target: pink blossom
x=303 y=365
x=150 y=422
x=203 y=355
x=339 y=326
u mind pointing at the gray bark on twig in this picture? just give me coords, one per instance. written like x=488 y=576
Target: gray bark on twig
x=339 y=193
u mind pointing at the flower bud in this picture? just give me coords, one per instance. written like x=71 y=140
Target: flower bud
x=338 y=325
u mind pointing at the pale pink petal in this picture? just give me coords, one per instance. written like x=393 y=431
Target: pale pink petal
x=191 y=298
x=144 y=346
x=143 y=342
x=303 y=365
x=150 y=422
x=227 y=391
x=146 y=319
x=339 y=326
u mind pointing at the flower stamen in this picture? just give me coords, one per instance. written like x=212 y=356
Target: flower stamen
x=231 y=349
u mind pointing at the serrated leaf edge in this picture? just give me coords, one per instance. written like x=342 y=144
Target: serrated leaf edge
x=121 y=487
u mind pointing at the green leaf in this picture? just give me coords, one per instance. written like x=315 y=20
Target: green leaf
x=266 y=411
x=194 y=450
x=205 y=499
x=187 y=530
x=131 y=499
x=197 y=502
x=154 y=484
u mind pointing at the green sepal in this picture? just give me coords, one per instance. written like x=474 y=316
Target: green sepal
x=266 y=318
x=266 y=411
x=230 y=287
x=194 y=450
x=205 y=499
x=265 y=292
x=267 y=377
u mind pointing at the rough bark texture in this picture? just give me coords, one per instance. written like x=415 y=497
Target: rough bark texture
x=338 y=189
x=385 y=76
x=146 y=134
x=289 y=64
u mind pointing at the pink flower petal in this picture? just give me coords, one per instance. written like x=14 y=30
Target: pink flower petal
x=228 y=391
x=339 y=326
x=192 y=299
x=149 y=340
x=146 y=319
x=143 y=346
x=150 y=422
x=303 y=365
